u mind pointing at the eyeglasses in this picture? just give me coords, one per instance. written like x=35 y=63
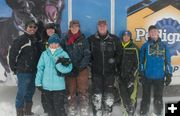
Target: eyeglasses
x=32 y=26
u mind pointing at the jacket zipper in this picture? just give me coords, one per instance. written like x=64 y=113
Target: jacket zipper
x=103 y=55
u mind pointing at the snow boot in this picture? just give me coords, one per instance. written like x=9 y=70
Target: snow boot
x=98 y=113
x=141 y=113
x=28 y=108
x=130 y=109
x=84 y=111
x=84 y=105
x=72 y=111
x=20 y=112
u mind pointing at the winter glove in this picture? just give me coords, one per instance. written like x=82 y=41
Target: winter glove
x=141 y=74
x=14 y=72
x=40 y=88
x=64 y=61
x=141 y=80
x=168 y=79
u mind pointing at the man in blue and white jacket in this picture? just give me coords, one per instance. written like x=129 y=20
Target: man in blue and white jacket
x=155 y=70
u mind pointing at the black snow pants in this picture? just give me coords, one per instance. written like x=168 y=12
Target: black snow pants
x=102 y=97
x=126 y=91
x=157 y=87
x=55 y=101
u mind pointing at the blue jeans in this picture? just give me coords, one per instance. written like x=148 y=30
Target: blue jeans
x=26 y=89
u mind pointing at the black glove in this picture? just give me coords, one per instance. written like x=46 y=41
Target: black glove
x=14 y=72
x=141 y=80
x=64 y=61
x=40 y=88
x=141 y=74
x=168 y=79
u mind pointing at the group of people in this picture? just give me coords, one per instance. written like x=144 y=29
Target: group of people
x=60 y=69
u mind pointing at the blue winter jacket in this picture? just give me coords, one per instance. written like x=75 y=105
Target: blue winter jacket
x=47 y=76
x=79 y=51
x=155 y=59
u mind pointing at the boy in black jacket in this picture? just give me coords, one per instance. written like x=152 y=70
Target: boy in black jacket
x=128 y=68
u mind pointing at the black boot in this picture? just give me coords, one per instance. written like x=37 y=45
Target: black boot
x=28 y=108
x=20 y=112
x=130 y=109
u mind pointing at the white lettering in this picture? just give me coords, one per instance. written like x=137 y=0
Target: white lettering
x=140 y=33
x=171 y=38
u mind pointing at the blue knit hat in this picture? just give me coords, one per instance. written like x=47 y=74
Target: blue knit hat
x=127 y=33
x=54 y=39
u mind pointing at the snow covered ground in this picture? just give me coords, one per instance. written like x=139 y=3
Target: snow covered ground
x=8 y=93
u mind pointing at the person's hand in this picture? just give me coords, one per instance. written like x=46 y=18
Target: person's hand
x=168 y=79
x=141 y=74
x=14 y=72
x=141 y=80
x=64 y=61
x=40 y=88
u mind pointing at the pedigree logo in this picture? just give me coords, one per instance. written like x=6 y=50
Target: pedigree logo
x=162 y=13
x=169 y=32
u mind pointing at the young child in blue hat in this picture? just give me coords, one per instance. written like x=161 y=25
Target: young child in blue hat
x=54 y=63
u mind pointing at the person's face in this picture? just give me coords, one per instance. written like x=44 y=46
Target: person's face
x=74 y=28
x=31 y=29
x=50 y=31
x=126 y=38
x=154 y=34
x=54 y=45
x=102 y=29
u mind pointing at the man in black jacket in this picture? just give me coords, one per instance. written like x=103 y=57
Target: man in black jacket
x=23 y=58
x=104 y=50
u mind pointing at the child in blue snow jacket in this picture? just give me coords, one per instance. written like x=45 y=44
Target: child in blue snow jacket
x=155 y=70
x=52 y=67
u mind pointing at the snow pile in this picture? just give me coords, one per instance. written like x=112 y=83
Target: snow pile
x=7 y=109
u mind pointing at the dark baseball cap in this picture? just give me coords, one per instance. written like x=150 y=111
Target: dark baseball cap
x=50 y=26
x=127 y=32
x=102 y=21
x=74 y=22
x=30 y=22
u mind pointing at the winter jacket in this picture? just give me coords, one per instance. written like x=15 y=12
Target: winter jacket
x=103 y=54
x=24 y=54
x=155 y=59
x=129 y=62
x=79 y=52
x=47 y=75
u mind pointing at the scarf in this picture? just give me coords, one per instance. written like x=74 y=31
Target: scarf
x=72 y=37
x=124 y=44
